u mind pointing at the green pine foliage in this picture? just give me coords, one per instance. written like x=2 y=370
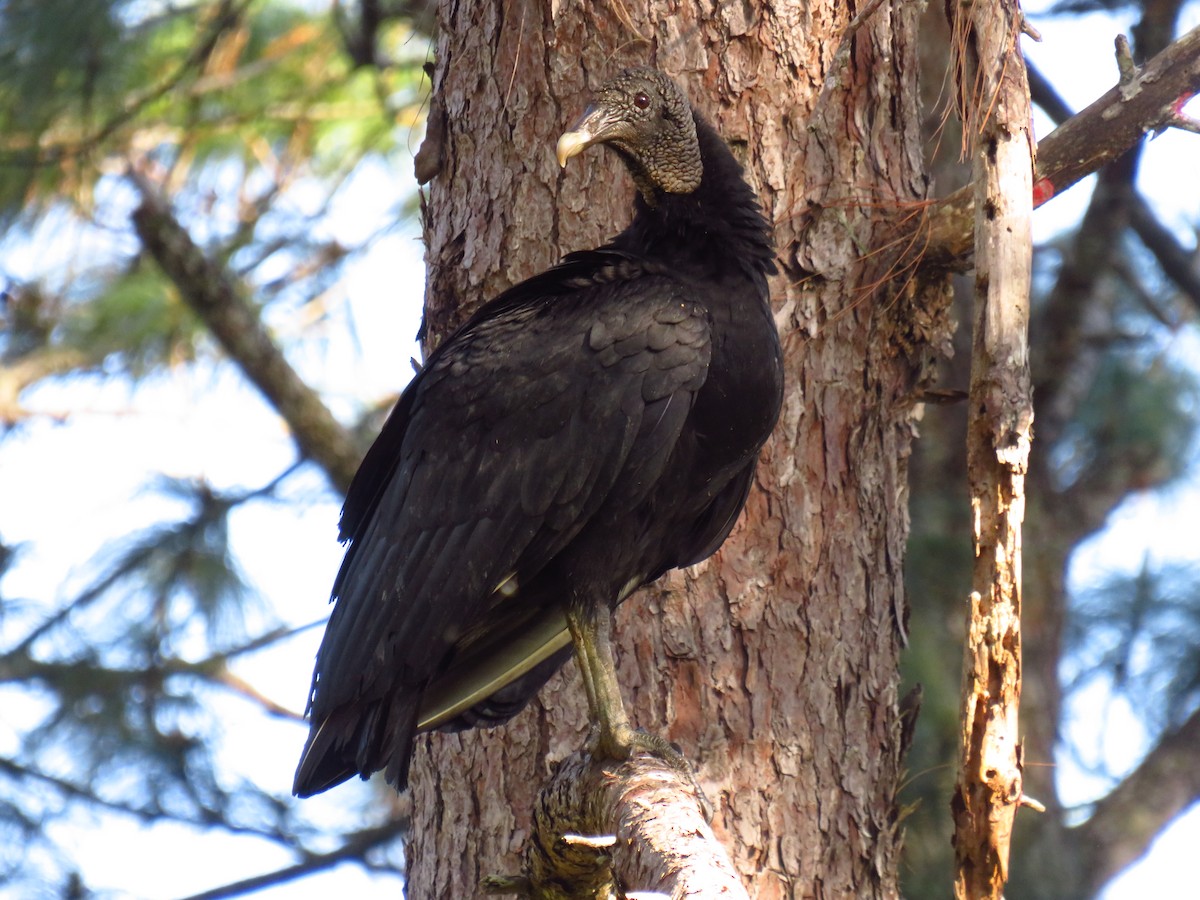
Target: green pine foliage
x=248 y=120
x=1138 y=419
x=1137 y=634
x=138 y=317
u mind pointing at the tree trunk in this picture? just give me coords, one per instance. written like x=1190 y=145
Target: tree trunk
x=774 y=664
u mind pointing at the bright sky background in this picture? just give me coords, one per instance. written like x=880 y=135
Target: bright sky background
x=65 y=489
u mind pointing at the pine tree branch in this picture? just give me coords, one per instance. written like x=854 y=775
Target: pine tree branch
x=1066 y=321
x=1099 y=134
x=620 y=829
x=73 y=791
x=1061 y=344
x=218 y=298
x=30 y=369
x=146 y=813
x=354 y=848
x=36 y=150
x=17 y=666
x=1124 y=823
x=1178 y=264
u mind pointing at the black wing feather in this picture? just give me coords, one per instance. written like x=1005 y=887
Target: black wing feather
x=501 y=450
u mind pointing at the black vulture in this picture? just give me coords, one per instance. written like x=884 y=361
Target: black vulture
x=580 y=435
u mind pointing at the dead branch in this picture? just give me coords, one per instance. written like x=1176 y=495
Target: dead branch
x=355 y=847
x=1096 y=136
x=998 y=122
x=1177 y=262
x=620 y=830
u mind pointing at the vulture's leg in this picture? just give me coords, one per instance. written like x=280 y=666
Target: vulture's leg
x=615 y=738
x=591 y=630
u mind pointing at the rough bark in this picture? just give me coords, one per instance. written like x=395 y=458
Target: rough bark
x=774 y=665
x=608 y=829
x=996 y=113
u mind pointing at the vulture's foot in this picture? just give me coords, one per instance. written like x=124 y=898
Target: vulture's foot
x=624 y=742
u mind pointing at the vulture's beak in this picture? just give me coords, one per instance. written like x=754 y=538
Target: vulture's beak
x=572 y=143
x=591 y=128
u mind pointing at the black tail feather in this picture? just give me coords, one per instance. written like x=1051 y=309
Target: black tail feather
x=359 y=739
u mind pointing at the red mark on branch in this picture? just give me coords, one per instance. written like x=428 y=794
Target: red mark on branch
x=1043 y=190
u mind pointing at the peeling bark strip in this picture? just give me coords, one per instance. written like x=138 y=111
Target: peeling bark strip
x=997 y=113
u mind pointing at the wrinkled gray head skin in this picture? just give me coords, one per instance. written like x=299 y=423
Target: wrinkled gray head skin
x=645 y=117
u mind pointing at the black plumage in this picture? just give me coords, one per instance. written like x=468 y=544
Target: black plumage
x=580 y=435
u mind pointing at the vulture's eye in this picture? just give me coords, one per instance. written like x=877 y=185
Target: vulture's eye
x=641 y=100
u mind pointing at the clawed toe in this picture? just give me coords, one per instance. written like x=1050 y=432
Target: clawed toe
x=622 y=743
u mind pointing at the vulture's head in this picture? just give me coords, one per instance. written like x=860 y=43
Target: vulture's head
x=644 y=116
